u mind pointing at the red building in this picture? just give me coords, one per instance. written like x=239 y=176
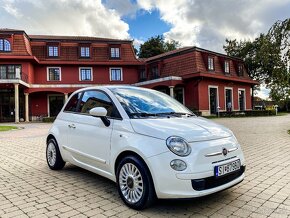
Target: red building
x=37 y=73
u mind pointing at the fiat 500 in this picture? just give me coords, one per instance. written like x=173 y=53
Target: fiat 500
x=148 y=143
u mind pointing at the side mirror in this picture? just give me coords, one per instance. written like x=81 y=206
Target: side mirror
x=100 y=112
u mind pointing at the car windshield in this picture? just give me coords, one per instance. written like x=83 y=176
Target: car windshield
x=141 y=102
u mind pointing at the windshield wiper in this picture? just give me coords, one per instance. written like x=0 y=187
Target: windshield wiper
x=176 y=114
x=142 y=114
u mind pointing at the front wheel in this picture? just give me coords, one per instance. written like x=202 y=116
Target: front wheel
x=53 y=156
x=135 y=184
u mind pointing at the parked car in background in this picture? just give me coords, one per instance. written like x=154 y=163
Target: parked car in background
x=148 y=143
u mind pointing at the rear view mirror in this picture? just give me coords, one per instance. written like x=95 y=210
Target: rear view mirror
x=98 y=112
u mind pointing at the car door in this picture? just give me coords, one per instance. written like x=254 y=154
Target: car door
x=88 y=138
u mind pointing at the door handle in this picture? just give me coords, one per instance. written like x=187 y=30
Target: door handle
x=72 y=126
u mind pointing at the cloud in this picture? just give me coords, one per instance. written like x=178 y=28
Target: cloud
x=63 y=17
x=207 y=23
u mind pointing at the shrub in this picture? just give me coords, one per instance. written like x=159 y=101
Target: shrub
x=48 y=119
x=251 y=113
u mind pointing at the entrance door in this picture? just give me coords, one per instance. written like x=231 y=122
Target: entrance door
x=6 y=105
x=213 y=100
x=242 y=100
x=55 y=104
x=229 y=102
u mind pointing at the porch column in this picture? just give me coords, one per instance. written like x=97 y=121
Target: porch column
x=171 y=91
x=16 y=99
x=26 y=107
x=65 y=97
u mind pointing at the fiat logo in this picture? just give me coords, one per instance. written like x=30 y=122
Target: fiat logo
x=225 y=151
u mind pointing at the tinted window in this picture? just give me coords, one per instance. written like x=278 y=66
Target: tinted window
x=73 y=103
x=92 y=99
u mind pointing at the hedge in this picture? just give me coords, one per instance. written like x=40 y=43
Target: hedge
x=48 y=119
x=252 y=113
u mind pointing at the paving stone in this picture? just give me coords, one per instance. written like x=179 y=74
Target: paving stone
x=29 y=189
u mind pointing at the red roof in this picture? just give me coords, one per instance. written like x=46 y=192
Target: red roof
x=75 y=38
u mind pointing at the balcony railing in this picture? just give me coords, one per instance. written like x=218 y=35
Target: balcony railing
x=22 y=76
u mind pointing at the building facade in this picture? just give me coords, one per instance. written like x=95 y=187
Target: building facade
x=38 y=73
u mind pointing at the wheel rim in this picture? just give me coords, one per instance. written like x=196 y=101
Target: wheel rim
x=51 y=154
x=131 y=183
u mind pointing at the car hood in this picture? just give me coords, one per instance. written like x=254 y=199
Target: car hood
x=190 y=128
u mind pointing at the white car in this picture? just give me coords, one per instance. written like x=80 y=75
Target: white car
x=147 y=142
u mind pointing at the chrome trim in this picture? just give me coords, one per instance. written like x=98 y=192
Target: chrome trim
x=220 y=152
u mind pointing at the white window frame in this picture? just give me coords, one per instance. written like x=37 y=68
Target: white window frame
x=53 y=55
x=87 y=68
x=208 y=63
x=245 y=100
x=47 y=72
x=85 y=53
x=227 y=69
x=208 y=95
x=116 y=68
x=114 y=52
x=229 y=88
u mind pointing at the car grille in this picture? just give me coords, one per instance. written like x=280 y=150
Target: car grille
x=212 y=182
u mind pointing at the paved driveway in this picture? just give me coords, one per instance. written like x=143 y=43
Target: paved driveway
x=29 y=188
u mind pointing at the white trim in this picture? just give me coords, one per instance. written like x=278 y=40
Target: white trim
x=90 y=68
x=240 y=89
x=13 y=81
x=229 y=88
x=49 y=95
x=217 y=97
x=117 y=68
x=158 y=80
x=47 y=74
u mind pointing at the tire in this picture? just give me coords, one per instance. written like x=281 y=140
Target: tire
x=135 y=184
x=53 y=156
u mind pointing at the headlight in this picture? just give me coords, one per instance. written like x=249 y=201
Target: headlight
x=178 y=146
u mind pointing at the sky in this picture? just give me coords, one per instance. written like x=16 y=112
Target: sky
x=203 y=23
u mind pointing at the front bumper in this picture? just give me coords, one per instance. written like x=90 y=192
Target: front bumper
x=198 y=180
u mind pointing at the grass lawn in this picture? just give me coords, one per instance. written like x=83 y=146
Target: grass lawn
x=6 y=128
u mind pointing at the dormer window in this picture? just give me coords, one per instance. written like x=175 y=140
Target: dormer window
x=115 y=53
x=210 y=63
x=52 y=51
x=85 y=52
x=227 y=67
x=240 y=70
x=5 y=45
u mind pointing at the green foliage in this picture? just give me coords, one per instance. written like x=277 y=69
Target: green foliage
x=267 y=58
x=7 y=128
x=157 y=45
x=48 y=119
x=251 y=113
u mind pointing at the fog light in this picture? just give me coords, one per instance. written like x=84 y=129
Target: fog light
x=178 y=165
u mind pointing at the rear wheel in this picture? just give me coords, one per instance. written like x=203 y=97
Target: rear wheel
x=53 y=156
x=135 y=185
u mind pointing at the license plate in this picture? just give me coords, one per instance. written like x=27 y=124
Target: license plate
x=225 y=169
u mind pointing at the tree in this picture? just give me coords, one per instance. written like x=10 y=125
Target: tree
x=157 y=45
x=267 y=58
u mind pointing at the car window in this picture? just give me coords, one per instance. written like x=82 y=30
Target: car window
x=93 y=98
x=73 y=103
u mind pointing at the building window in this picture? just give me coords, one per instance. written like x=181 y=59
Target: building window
x=116 y=74
x=5 y=45
x=210 y=63
x=142 y=76
x=115 y=53
x=155 y=73
x=227 y=67
x=10 y=71
x=85 y=52
x=53 y=51
x=240 y=70
x=53 y=74
x=86 y=74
